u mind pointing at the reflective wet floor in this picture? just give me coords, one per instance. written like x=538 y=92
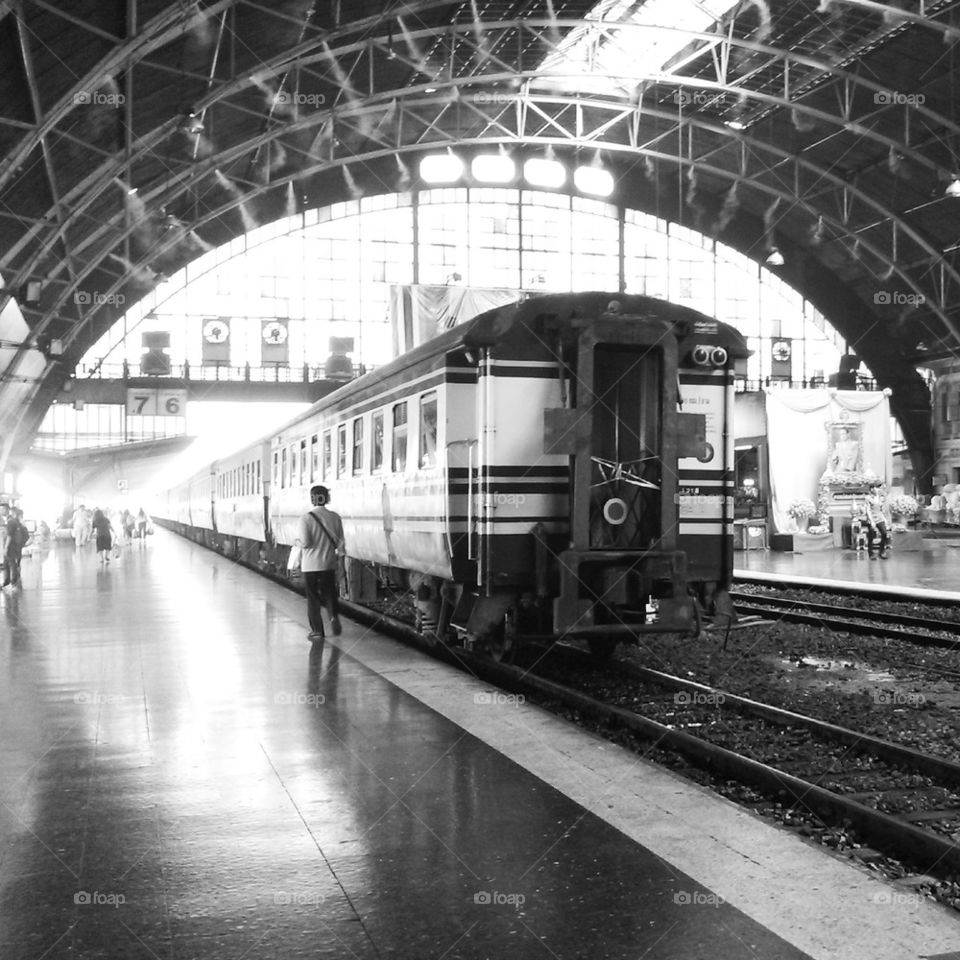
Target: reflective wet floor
x=183 y=776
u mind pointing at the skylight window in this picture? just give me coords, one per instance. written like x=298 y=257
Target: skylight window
x=603 y=59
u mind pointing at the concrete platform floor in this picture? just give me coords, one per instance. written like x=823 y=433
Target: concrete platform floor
x=933 y=572
x=183 y=776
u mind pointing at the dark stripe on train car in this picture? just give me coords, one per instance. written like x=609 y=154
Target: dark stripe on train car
x=685 y=475
x=507 y=371
x=494 y=472
x=703 y=379
x=464 y=487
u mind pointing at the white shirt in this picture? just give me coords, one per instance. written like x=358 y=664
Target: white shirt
x=320 y=549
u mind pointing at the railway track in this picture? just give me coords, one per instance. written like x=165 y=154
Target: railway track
x=922 y=631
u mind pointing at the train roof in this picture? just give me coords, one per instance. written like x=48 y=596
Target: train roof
x=508 y=323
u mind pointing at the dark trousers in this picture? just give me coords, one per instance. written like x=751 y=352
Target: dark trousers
x=880 y=533
x=12 y=560
x=320 y=586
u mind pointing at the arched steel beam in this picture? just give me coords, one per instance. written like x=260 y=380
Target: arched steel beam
x=382 y=43
x=621 y=110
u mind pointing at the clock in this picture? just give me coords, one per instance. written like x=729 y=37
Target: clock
x=215 y=331
x=781 y=350
x=275 y=333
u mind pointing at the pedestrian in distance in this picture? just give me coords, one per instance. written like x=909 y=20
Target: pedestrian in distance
x=321 y=544
x=142 y=521
x=16 y=536
x=81 y=526
x=876 y=517
x=104 y=534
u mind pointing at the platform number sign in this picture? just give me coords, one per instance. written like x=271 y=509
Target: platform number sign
x=144 y=402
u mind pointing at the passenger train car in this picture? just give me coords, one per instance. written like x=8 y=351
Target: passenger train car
x=562 y=463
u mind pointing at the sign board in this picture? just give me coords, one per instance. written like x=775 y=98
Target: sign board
x=147 y=402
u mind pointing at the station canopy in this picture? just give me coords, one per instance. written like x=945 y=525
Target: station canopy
x=819 y=137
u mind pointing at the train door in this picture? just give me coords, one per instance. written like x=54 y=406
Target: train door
x=625 y=462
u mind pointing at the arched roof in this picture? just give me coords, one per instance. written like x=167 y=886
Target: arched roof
x=826 y=129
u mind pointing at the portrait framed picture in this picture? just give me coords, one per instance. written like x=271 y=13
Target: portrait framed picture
x=844 y=447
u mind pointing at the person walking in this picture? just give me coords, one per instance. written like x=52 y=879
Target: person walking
x=321 y=544
x=16 y=536
x=81 y=526
x=878 y=522
x=104 y=534
x=142 y=521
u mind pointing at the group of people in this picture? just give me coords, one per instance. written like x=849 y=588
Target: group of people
x=14 y=536
x=108 y=532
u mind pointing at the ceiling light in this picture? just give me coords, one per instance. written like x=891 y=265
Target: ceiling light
x=736 y=124
x=953 y=188
x=545 y=173
x=775 y=258
x=441 y=168
x=594 y=180
x=493 y=168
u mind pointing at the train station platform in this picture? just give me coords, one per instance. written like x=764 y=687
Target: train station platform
x=929 y=573
x=183 y=776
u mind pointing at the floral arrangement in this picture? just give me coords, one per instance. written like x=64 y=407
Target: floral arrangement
x=903 y=505
x=801 y=509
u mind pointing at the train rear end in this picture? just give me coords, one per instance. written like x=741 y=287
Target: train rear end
x=643 y=420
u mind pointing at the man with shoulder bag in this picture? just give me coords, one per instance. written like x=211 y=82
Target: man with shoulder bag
x=321 y=545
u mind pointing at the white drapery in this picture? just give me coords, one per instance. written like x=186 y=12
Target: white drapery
x=419 y=313
x=798 y=440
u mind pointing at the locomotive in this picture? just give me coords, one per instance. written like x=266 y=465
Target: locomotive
x=563 y=464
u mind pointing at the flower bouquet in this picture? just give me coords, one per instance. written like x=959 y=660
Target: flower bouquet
x=800 y=511
x=902 y=508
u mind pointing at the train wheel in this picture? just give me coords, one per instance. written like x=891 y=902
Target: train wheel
x=500 y=644
x=601 y=648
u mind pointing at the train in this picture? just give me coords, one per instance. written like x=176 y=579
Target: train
x=562 y=465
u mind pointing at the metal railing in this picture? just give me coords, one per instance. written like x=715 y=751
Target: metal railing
x=221 y=372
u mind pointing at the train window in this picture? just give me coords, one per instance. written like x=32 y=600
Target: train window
x=276 y=468
x=258 y=489
x=341 y=449
x=428 y=430
x=303 y=462
x=358 y=445
x=314 y=458
x=283 y=467
x=327 y=455
x=399 y=437
x=376 y=442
